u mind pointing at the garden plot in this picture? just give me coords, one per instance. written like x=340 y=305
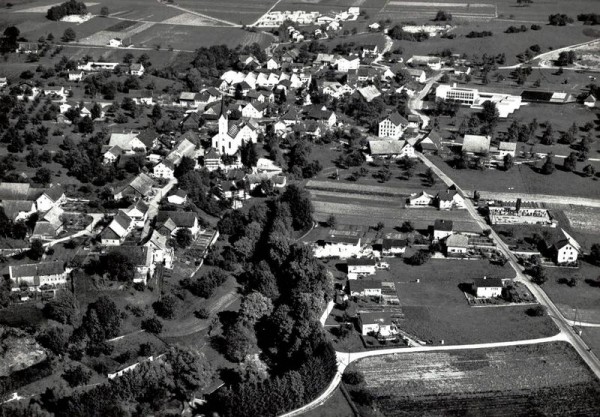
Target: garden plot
x=102 y=37
x=548 y=379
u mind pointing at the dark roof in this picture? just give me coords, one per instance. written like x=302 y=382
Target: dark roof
x=180 y=218
x=212 y=154
x=353 y=240
x=394 y=243
x=55 y=192
x=443 y=225
x=359 y=285
x=488 y=282
x=562 y=243
x=137 y=254
x=361 y=262
x=40 y=269
x=12 y=208
x=148 y=136
x=529 y=95
x=397 y=119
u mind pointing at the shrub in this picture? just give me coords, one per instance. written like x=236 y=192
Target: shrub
x=152 y=325
x=537 y=311
x=353 y=378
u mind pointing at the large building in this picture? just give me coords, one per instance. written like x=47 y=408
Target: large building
x=37 y=276
x=505 y=103
x=392 y=126
x=231 y=137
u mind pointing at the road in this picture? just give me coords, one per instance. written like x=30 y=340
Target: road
x=550 y=54
x=563 y=324
x=153 y=205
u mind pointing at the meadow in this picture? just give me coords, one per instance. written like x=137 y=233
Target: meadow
x=548 y=379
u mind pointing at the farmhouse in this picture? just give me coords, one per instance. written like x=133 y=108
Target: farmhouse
x=457 y=244
x=75 y=75
x=360 y=267
x=169 y=222
x=115 y=42
x=391 y=148
x=442 y=229
x=338 y=246
x=449 y=199
x=566 y=250
x=116 y=231
x=487 y=287
x=392 y=126
x=433 y=62
x=136 y=70
x=503 y=149
x=53 y=196
x=127 y=142
x=92 y=66
x=364 y=288
x=179 y=197
x=139 y=187
x=417 y=75
x=164 y=169
x=40 y=276
x=162 y=253
x=138 y=212
x=378 y=323
x=346 y=64
x=393 y=247
x=145 y=97
x=421 y=200
x=49 y=225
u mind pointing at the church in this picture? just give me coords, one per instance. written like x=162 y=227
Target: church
x=232 y=135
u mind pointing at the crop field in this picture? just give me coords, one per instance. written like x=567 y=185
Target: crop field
x=401 y=9
x=371 y=7
x=548 y=379
x=585 y=219
x=104 y=36
x=235 y=11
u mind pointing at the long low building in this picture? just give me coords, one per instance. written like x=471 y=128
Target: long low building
x=505 y=103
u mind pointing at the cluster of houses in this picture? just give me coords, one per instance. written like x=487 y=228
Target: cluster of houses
x=300 y=17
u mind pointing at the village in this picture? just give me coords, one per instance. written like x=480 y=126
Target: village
x=409 y=199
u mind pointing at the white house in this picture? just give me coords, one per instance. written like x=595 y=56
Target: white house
x=420 y=200
x=566 y=250
x=179 y=197
x=347 y=64
x=162 y=252
x=338 y=247
x=360 y=267
x=37 y=276
x=3 y=82
x=116 y=231
x=164 y=169
x=364 y=288
x=137 y=70
x=169 y=222
x=590 y=101
x=75 y=75
x=449 y=199
x=272 y=64
x=378 y=323
x=115 y=42
x=392 y=126
x=138 y=213
x=53 y=196
x=128 y=142
x=457 y=244
x=254 y=110
x=391 y=148
x=393 y=247
x=488 y=287
x=442 y=229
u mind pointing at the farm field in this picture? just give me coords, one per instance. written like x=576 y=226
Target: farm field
x=371 y=7
x=548 y=379
x=581 y=300
x=435 y=309
x=522 y=179
x=236 y=11
x=584 y=218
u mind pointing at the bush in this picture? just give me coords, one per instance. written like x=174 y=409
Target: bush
x=537 y=311
x=202 y=313
x=353 y=378
x=165 y=308
x=77 y=376
x=152 y=325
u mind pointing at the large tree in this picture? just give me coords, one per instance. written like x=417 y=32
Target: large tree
x=301 y=207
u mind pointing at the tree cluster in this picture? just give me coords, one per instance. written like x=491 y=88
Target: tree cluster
x=559 y=19
x=65 y=9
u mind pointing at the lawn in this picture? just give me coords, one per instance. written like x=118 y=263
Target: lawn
x=547 y=379
x=583 y=297
x=335 y=406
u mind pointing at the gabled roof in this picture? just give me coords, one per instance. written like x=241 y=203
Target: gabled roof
x=54 y=216
x=212 y=153
x=54 y=193
x=393 y=243
x=360 y=285
x=457 y=241
x=179 y=218
x=361 y=262
x=443 y=225
x=397 y=119
x=387 y=147
x=369 y=93
x=12 y=208
x=488 y=282
x=122 y=140
x=39 y=269
x=507 y=146
x=147 y=137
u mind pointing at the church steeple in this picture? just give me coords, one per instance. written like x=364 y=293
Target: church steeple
x=223 y=119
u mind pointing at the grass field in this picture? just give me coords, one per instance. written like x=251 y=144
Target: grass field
x=371 y=7
x=335 y=406
x=236 y=11
x=548 y=380
x=581 y=299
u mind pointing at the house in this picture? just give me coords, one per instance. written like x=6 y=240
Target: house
x=164 y=169
x=169 y=222
x=375 y=27
x=392 y=126
x=393 y=247
x=414 y=121
x=136 y=70
x=590 y=101
x=338 y=246
x=277 y=181
x=360 y=267
x=442 y=229
x=55 y=92
x=16 y=210
x=27 y=47
x=379 y=324
x=346 y=64
x=566 y=250
x=476 y=144
x=369 y=93
x=369 y=50
x=49 y=225
x=139 y=187
x=92 y=66
x=449 y=199
x=162 y=252
x=138 y=212
x=487 y=287
x=433 y=62
x=52 y=197
x=391 y=148
x=179 y=197
x=3 y=82
x=75 y=75
x=111 y=155
x=322 y=115
x=145 y=97
x=431 y=144
x=115 y=42
x=254 y=110
x=503 y=149
x=272 y=64
x=422 y=199
x=114 y=234
x=364 y=288
x=457 y=244
x=418 y=75
x=212 y=159
x=38 y=276
x=127 y=142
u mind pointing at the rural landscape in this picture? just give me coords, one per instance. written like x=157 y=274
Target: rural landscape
x=313 y=208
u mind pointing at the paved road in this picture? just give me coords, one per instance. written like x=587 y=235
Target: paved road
x=153 y=205
x=563 y=324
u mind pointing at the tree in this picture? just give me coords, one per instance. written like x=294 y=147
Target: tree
x=240 y=341
x=419 y=258
x=54 y=338
x=331 y=221
x=254 y=307
x=538 y=275
x=186 y=165
x=249 y=155
x=184 y=238
x=119 y=266
x=104 y=11
x=37 y=250
x=152 y=325
x=589 y=170
x=156 y=112
x=570 y=162
x=77 y=376
x=442 y=16
x=96 y=111
x=430 y=177
x=192 y=372
x=86 y=125
x=595 y=254
x=407 y=227
x=548 y=167
x=301 y=207
x=69 y=35
x=63 y=308
x=508 y=162
x=102 y=320
x=489 y=114
x=548 y=135
x=537 y=311
x=165 y=307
